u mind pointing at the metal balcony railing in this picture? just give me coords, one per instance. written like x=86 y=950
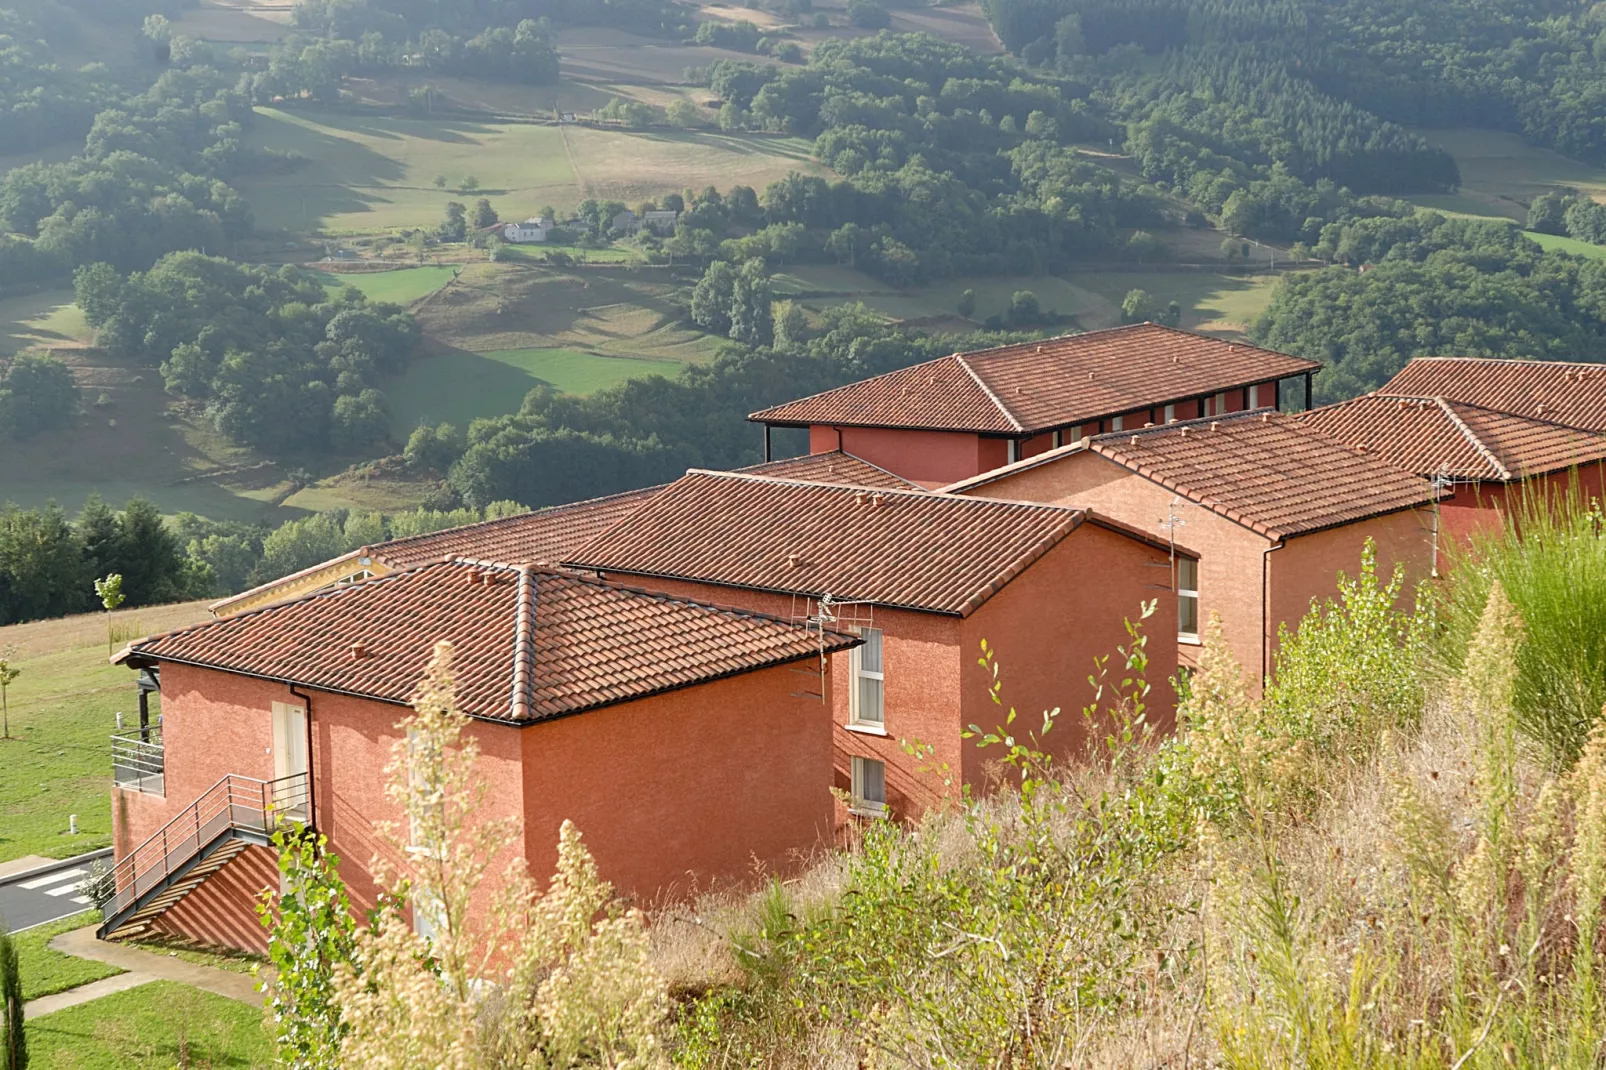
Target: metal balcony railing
x=137 y=761
x=233 y=807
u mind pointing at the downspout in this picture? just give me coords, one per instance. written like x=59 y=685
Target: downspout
x=312 y=805
x=1265 y=613
x=766 y=443
x=839 y=448
x=1308 y=377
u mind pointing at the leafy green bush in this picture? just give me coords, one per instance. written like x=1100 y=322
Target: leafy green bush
x=1551 y=560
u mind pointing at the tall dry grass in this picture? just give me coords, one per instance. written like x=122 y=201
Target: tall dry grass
x=1377 y=866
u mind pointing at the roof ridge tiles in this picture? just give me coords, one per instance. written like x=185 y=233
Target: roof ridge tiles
x=914 y=492
x=524 y=625
x=1474 y=440
x=959 y=358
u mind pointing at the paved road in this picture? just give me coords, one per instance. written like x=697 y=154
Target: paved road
x=44 y=895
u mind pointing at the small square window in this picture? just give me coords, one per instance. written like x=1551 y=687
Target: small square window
x=1187 y=598
x=1170 y=414
x=1118 y=423
x=869 y=786
x=867 y=705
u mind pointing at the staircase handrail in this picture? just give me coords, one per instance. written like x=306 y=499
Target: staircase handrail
x=193 y=827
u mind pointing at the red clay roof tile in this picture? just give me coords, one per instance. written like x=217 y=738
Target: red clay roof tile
x=1559 y=392
x=901 y=548
x=1038 y=386
x=1434 y=436
x=1261 y=469
x=530 y=644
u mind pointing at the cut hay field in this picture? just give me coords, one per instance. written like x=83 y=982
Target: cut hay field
x=1216 y=303
x=1501 y=174
x=457 y=387
x=500 y=330
x=369 y=174
x=402 y=286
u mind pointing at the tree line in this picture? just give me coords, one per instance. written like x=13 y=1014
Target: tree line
x=49 y=562
x=279 y=362
x=1433 y=286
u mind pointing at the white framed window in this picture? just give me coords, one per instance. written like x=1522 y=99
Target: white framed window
x=1118 y=423
x=290 y=760
x=1014 y=450
x=1170 y=413
x=869 y=787
x=1221 y=404
x=426 y=916
x=1254 y=396
x=1188 y=599
x=867 y=700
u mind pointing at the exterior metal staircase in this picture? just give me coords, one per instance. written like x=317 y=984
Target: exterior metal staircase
x=201 y=839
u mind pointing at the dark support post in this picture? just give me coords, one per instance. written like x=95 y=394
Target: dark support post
x=1277 y=395
x=766 y=443
x=1308 y=377
x=144 y=713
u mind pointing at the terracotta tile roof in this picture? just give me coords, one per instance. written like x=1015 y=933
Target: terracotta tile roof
x=1039 y=386
x=1430 y=436
x=542 y=537
x=1557 y=391
x=910 y=549
x=530 y=644
x=547 y=536
x=1261 y=469
x=835 y=466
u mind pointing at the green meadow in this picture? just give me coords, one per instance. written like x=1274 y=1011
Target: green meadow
x=456 y=387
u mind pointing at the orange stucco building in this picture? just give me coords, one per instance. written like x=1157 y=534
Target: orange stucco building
x=968 y=413
x=925 y=578
x=590 y=702
x=1273 y=510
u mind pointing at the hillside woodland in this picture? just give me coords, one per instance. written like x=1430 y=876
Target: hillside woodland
x=1112 y=132
x=1392 y=860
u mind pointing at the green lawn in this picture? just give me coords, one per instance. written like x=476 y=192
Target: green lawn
x=1557 y=243
x=457 y=387
x=153 y=1027
x=46 y=972
x=367 y=173
x=402 y=286
x=63 y=711
x=1501 y=173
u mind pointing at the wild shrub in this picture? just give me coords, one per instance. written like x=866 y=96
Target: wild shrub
x=1550 y=559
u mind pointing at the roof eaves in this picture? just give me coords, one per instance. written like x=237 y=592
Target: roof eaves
x=959 y=359
x=263 y=588
x=1030 y=557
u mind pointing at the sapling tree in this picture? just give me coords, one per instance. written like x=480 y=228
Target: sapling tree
x=549 y=979
x=110 y=593
x=311 y=927
x=9 y=671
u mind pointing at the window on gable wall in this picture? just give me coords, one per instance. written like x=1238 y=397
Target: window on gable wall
x=869 y=787
x=1187 y=599
x=866 y=704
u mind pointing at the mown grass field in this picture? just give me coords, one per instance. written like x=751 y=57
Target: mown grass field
x=1216 y=303
x=153 y=1027
x=1501 y=174
x=457 y=387
x=366 y=174
x=46 y=972
x=402 y=286
x=63 y=712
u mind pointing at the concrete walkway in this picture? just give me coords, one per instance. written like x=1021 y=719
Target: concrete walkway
x=143 y=967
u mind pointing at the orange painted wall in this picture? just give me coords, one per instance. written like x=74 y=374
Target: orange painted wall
x=1485 y=506
x=1308 y=567
x=216 y=723
x=1230 y=555
x=931 y=458
x=1048 y=627
x=675 y=793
